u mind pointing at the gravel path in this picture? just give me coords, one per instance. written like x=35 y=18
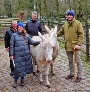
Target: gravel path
x=58 y=81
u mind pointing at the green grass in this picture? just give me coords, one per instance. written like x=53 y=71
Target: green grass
x=83 y=58
x=61 y=44
x=87 y=64
x=1 y=44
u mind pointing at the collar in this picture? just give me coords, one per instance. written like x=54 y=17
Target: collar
x=19 y=33
x=33 y=20
x=70 y=22
x=13 y=30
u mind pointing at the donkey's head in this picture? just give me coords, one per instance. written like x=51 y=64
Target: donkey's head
x=46 y=47
x=52 y=35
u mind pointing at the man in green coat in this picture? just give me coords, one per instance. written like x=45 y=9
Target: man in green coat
x=73 y=36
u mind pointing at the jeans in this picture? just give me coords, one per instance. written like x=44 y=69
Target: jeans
x=16 y=78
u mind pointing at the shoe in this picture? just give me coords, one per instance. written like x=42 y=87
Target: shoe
x=15 y=84
x=69 y=77
x=78 y=79
x=12 y=73
x=22 y=83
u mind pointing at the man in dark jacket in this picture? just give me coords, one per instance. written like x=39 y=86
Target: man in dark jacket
x=33 y=26
x=7 y=38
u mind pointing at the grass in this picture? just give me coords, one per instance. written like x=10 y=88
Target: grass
x=87 y=64
x=83 y=58
x=61 y=44
x=1 y=44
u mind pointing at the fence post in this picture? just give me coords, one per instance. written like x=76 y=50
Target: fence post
x=87 y=32
x=87 y=42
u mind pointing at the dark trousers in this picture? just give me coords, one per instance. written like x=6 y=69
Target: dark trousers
x=11 y=66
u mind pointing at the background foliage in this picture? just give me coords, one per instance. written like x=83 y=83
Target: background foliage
x=54 y=9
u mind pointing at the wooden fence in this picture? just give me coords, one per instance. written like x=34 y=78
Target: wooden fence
x=7 y=22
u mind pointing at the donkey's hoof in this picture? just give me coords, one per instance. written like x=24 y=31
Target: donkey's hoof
x=41 y=82
x=53 y=74
x=37 y=71
x=48 y=86
x=33 y=73
x=51 y=71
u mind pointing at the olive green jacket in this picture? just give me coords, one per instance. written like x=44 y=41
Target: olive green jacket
x=73 y=34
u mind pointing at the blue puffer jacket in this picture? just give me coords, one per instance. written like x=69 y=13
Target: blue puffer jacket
x=32 y=27
x=21 y=52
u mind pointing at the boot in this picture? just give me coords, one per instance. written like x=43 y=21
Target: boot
x=69 y=77
x=15 y=84
x=78 y=79
x=22 y=83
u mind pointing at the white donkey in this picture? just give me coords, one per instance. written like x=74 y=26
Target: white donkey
x=53 y=37
x=42 y=54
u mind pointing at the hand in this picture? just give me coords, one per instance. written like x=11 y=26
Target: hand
x=7 y=49
x=41 y=41
x=77 y=47
x=11 y=57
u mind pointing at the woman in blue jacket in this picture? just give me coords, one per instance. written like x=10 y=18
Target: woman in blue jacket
x=20 y=53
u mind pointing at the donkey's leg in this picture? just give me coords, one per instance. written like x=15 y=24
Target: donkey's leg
x=33 y=66
x=51 y=67
x=40 y=71
x=47 y=73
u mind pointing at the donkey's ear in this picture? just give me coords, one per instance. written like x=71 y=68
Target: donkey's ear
x=55 y=29
x=41 y=36
x=47 y=29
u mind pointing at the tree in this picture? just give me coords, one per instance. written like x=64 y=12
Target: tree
x=7 y=6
